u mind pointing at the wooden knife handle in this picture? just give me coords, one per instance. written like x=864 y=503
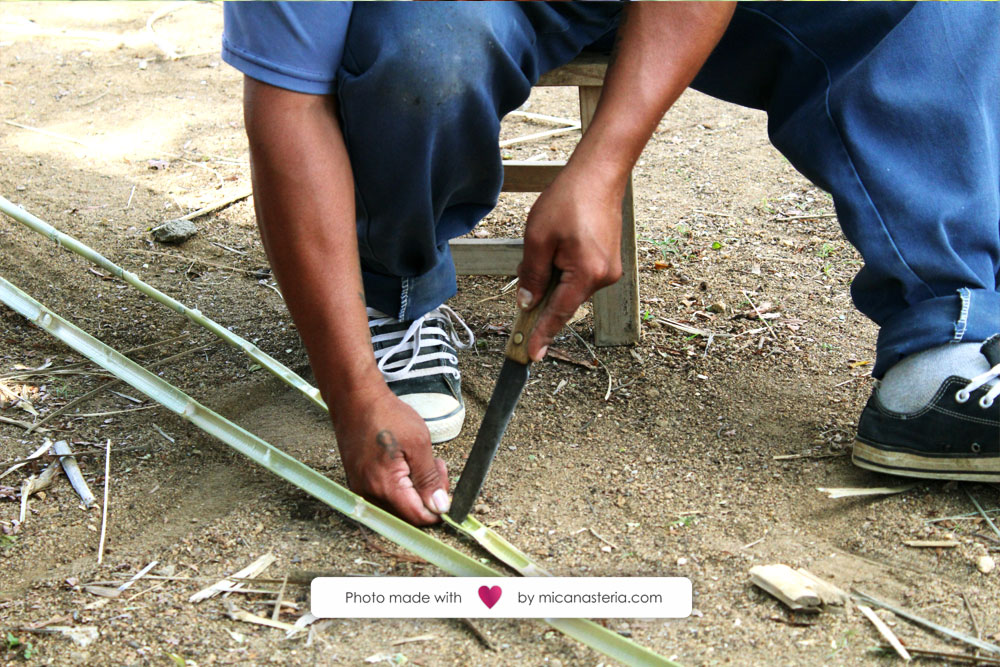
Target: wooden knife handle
x=517 y=344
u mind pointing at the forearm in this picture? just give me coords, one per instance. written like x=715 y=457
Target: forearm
x=304 y=198
x=660 y=48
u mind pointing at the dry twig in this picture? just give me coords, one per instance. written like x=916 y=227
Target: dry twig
x=885 y=631
x=104 y=512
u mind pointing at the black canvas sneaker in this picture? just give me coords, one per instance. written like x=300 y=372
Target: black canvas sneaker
x=956 y=435
x=418 y=360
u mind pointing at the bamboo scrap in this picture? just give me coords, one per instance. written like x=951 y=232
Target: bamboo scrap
x=34 y=455
x=854 y=492
x=829 y=593
x=795 y=591
x=885 y=631
x=138 y=575
x=34 y=484
x=931 y=544
x=238 y=614
x=303 y=622
x=73 y=473
x=251 y=570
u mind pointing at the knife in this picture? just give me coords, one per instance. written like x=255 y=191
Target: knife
x=513 y=376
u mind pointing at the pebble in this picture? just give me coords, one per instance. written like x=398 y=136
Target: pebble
x=986 y=564
x=175 y=231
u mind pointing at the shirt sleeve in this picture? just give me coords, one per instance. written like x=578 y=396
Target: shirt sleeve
x=293 y=45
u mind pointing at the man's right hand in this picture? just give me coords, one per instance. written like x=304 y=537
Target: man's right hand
x=304 y=198
x=386 y=451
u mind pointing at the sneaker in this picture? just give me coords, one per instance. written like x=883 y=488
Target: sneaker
x=418 y=360
x=953 y=434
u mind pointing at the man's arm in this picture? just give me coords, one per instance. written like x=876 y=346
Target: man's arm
x=575 y=224
x=304 y=198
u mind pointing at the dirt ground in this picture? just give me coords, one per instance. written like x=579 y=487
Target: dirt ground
x=677 y=467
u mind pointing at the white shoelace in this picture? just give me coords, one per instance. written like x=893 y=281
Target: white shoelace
x=427 y=341
x=986 y=401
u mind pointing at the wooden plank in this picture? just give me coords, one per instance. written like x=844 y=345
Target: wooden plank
x=585 y=70
x=523 y=176
x=486 y=257
x=616 y=308
x=589 y=96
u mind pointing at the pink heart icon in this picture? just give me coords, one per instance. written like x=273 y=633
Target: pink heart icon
x=489 y=596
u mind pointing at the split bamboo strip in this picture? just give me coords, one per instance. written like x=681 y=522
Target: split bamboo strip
x=288 y=468
x=503 y=550
x=193 y=314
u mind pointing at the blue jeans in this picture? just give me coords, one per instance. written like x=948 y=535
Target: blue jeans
x=894 y=108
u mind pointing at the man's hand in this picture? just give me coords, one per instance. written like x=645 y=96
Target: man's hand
x=574 y=226
x=387 y=456
x=304 y=197
x=576 y=223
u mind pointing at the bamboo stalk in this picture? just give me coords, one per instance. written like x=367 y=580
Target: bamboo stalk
x=490 y=540
x=193 y=314
x=312 y=482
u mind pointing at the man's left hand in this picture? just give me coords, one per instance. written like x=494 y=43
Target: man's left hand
x=574 y=226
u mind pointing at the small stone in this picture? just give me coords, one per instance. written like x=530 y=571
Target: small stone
x=717 y=307
x=175 y=231
x=986 y=564
x=682 y=561
x=166 y=571
x=606 y=549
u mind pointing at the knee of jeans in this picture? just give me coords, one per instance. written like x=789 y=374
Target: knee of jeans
x=431 y=69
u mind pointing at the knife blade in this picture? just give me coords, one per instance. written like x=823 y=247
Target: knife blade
x=513 y=376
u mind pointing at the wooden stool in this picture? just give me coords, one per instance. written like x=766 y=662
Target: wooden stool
x=616 y=308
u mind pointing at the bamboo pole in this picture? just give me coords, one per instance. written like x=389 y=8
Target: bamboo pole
x=312 y=482
x=265 y=360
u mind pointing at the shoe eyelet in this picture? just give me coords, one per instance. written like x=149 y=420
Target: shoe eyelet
x=976 y=448
x=961 y=396
x=985 y=404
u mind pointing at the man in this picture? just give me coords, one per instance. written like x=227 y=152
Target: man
x=373 y=135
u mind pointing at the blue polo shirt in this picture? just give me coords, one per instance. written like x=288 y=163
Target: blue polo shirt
x=293 y=45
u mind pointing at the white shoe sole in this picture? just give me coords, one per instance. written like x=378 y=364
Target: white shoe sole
x=443 y=415
x=985 y=469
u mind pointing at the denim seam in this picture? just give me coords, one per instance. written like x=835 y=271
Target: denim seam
x=965 y=294
x=843 y=144
x=404 y=298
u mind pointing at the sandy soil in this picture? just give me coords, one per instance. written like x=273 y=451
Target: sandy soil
x=677 y=468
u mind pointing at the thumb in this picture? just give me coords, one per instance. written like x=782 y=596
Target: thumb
x=430 y=480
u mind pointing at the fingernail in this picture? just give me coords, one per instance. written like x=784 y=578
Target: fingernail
x=541 y=353
x=524 y=298
x=439 y=500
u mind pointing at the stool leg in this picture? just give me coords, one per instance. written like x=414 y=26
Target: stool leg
x=616 y=308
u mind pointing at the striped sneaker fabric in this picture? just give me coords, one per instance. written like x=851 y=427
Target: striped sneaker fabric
x=419 y=361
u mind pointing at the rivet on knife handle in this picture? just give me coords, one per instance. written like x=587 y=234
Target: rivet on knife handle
x=517 y=344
